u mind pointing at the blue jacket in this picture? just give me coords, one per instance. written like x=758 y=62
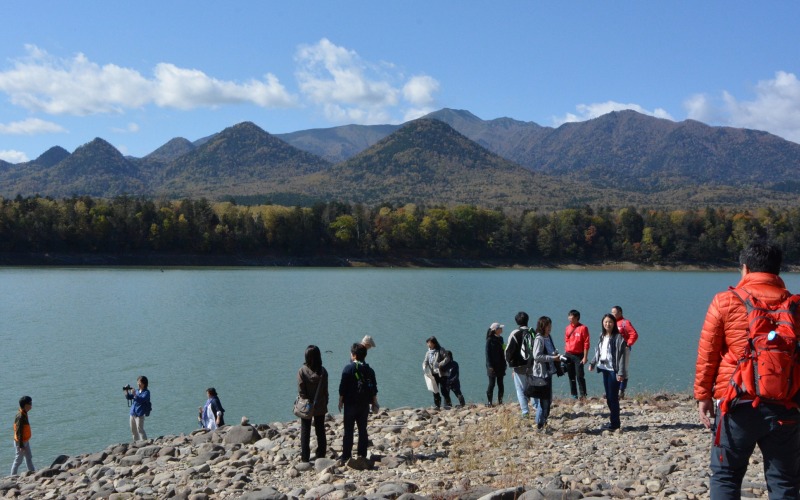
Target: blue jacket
x=141 y=402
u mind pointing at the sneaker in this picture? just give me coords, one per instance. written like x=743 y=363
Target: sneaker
x=608 y=427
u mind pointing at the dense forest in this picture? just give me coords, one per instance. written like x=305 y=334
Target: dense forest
x=138 y=226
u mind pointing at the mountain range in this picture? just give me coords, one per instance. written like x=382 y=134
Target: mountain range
x=448 y=157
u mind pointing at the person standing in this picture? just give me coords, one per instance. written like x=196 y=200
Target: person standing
x=576 y=347
x=436 y=360
x=212 y=413
x=140 y=407
x=545 y=357
x=454 y=379
x=358 y=390
x=610 y=360
x=630 y=335
x=22 y=436
x=517 y=354
x=312 y=384
x=495 y=362
x=775 y=428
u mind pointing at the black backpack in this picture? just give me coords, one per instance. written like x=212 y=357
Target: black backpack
x=366 y=387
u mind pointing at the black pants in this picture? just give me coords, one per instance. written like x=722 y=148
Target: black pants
x=575 y=371
x=444 y=390
x=355 y=415
x=305 y=437
x=495 y=376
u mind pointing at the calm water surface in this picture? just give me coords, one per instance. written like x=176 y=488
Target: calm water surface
x=73 y=337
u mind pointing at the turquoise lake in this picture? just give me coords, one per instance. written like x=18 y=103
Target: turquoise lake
x=73 y=337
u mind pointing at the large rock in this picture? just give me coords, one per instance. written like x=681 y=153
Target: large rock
x=241 y=434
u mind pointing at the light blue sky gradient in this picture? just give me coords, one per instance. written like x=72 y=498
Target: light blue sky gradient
x=140 y=73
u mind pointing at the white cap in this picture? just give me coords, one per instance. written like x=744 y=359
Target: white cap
x=495 y=326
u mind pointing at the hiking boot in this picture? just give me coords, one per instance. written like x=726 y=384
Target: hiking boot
x=609 y=427
x=499 y=400
x=461 y=401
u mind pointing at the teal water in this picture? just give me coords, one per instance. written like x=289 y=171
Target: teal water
x=73 y=337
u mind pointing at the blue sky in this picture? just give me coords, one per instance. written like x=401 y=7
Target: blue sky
x=140 y=73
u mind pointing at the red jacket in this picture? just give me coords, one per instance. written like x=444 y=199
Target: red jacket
x=576 y=339
x=628 y=331
x=725 y=330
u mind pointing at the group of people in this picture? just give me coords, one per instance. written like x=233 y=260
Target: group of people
x=534 y=359
x=726 y=344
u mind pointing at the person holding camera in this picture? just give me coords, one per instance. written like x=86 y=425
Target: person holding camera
x=139 y=401
x=212 y=413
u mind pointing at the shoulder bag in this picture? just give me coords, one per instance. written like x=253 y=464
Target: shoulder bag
x=303 y=407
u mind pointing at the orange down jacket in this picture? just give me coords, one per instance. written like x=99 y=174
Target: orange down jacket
x=725 y=330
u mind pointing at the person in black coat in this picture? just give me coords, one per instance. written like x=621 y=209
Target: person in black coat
x=495 y=362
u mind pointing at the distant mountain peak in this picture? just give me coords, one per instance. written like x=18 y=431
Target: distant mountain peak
x=51 y=156
x=174 y=148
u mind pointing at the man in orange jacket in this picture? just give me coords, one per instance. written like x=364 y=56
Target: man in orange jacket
x=773 y=427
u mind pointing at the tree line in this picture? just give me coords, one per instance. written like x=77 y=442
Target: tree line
x=129 y=225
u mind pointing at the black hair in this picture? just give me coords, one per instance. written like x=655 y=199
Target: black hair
x=143 y=380
x=603 y=328
x=212 y=392
x=489 y=333
x=762 y=257
x=618 y=308
x=542 y=324
x=435 y=342
x=359 y=351
x=521 y=318
x=313 y=358
x=25 y=400
x=575 y=313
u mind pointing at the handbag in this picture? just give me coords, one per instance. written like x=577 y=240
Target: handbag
x=303 y=407
x=535 y=387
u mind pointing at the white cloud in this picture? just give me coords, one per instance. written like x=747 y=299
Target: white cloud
x=31 y=126
x=775 y=107
x=419 y=90
x=589 y=111
x=131 y=128
x=349 y=89
x=12 y=156
x=77 y=86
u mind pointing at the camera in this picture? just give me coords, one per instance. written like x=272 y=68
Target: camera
x=127 y=388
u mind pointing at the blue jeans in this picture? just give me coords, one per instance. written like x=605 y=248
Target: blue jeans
x=355 y=415
x=19 y=454
x=776 y=431
x=612 y=396
x=542 y=405
x=519 y=385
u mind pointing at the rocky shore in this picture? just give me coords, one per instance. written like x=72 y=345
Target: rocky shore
x=467 y=453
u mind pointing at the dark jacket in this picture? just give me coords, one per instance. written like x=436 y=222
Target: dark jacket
x=495 y=357
x=348 y=386
x=513 y=352
x=307 y=383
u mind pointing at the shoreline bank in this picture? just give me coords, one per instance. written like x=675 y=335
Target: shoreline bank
x=194 y=260
x=469 y=453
